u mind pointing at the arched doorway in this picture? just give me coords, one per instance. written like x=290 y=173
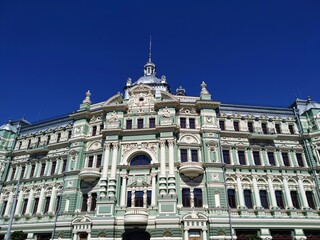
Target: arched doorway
x=134 y=235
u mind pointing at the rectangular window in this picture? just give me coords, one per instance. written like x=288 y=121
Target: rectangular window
x=192 y=123
x=69 y=134
x=53 y=167
x=250 y=127
x=279 y=199
x=19 y=146
x=94 y=130
x=13 y=173
x=64 y=165
x=264 y=128
x=148 y=198
x=236 y=126
x=222 y=125
x=38 y=141
x=84 y=205
x=43 y=166
x=140 y=123
x=184 y=155
x=185 y=197
x=98 y=164
x=264 y=198
x=247 y=198
x=138 y=199
x=242 y=158
x=35 y=205
x=58 y=203
x=93 y=201
x=129 y=199
x=291 y=129
x=152 y=122
x=232 y=198
x=272 y=161
x=183 y=122
x=46 y=206
x=295 y=199
x=226 y=156
x=285 y=159
x=24 y=206
x=29 y=143
x=33 y=167
x=310 y=199
x=90 y=161
x=48 y=139
x=197 y=193
x=4 y=206
x=194 y=155
x=22 y=172
x=256 y=158
x=129 y=124
x=299 y=159
x=58 y=137
x=278 y=129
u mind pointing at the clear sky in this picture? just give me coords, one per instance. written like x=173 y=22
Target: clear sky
x=248 y=52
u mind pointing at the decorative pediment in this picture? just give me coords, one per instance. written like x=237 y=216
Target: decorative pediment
x=114 y=100
x=141 y=88
x=94 y=146
x=81 y=220
x=189 y=139
x=194 y=216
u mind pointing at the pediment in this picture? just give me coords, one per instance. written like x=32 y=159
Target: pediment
x=114 y=100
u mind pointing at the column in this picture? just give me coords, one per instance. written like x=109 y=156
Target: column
x=145 y=204
x=41 y=199
x=9 y=204
x=123 y=190
x=75 y=236
x=20 y=198
x=204 y=234
x=52 y=200
x=271 y=192
x=171 y=157
x=256 y=192
x=115 y=146
x=240 y=192
x=162 y=158
x=287 y=191
x=191 y=198
x=30 y=201
x=303 y=193
x=105 y=168
x=153 y=192
x=186 y=235
x=235 y=160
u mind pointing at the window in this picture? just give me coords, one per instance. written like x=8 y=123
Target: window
x=43 y=166
x=250 y=126
x=93 y=201
x=19 y=146
x=285 y=159
x=256 y=158
x=129 y=124
x=47 y=203
x=35 y=205
x=90 y=161
x=4 y=206
x=310 y=199
x=58 y=203
x=22 y=172
x=299 y=159
x=222 y=125
x=69 y=134
x=58 y=137
x=148 y=198
x=140 y=123
x=236 y=126
x=247 y=198
x=64 y=165
x=48 y=139
x=84 y=205
x=13 y=173
x=291 y=129
x=29 y=143
x=53 y=167
x=94 y=130
x=295 y=199
x=242 y=159
x=271 y=159
x=183 y=122
x=24 y=206
x=138 y=199
x=264 y=128
x=185 y=197
x=197 y=193
x=194 y=155
x=226 y=156
x=232 y=198
x=33 y=167
x=279 y=199
x=192 y=123
x=184 y=155
x=140 y=160
x=98 y=164
x=129 y=199
x=38 y=141
x=278 y=129
x=152 y=122
x=264 y=198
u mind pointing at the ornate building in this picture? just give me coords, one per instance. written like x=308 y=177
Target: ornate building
x=150 y=164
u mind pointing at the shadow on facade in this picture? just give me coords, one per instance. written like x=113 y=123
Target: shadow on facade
x=134 y=233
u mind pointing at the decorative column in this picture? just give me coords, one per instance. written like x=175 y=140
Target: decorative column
x=145 y=197
x=153 y=192
x=112 y=180
x=303 y=194
x=162 y=158
x=191 y=198
x=287 y=191
x=256 y=192
x=204 y=234
x=240 y=192
x=123 y=190
x=30 y=201
x=171 y=158
x=103 y=180
x=41 y=200
x=18 y=206
x=9 y=205
x=52 y=200
x=186 y=235
x=272 y=194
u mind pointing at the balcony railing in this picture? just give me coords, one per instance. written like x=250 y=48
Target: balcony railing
x=136 y=215
x=191 y=169
x=89 y=174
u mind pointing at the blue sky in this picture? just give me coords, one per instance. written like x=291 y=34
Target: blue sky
x=248 y=52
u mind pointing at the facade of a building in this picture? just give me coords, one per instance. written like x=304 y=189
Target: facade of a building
x=150 y=164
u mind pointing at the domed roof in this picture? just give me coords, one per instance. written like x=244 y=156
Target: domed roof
x=149 y=79
x=8 y=127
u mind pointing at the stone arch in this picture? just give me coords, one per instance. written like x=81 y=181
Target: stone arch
x=189 y=139
x=94 y=145
x=134 y=152
x=116 y=99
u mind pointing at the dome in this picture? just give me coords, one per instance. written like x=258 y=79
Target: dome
x=148 y=80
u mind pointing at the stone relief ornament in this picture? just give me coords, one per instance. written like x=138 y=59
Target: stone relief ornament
x=113 y=120
x=165 y=117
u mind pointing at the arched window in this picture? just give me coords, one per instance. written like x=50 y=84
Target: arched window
x=140 y=160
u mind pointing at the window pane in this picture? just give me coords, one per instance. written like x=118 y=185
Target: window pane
x=222 y=125
x=256 y=158
x=152 y=123
x=4 y=206
x=192 y=123
x=35 y=205
x=194 y=155
x=291 y=129
x=148 y=198
x=248 y=198
x=310 y=199
x=285 y=159
x=236 y=126
x=264 y=199
x=183 y=155
x=271 y=159
x=46 y=206
x=138 y=200
x=278 y=130
x=279 y=199
x=129 y=124
x=84 y=203
x=53 y=167
x=250 y=127
x=185 y=197
x=98 y=164
x=93 y=201
x=94 y=130
x=264 y=128
x=140 y=123
x=226 y=156
x=129 y=199
x=295 y=199
x=232 y=198
x=300 y=160
x=242 y=159
x=197 y=193
x=140 y=160
x=90 y=162
x=183 y=122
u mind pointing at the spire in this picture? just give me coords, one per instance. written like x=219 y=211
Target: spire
x=87 y=99
x=150 y=67
x=150 y=50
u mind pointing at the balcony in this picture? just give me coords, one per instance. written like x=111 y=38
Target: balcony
x=89 y=174
x=136 y=215
x=191 y=169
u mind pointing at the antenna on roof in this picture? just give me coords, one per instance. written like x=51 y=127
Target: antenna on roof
x=150 y=50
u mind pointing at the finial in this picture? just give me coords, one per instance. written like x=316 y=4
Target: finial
x=204 y=90
x=180 y=91
x=87 y=99
x=129 y=82
x=150 y=50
